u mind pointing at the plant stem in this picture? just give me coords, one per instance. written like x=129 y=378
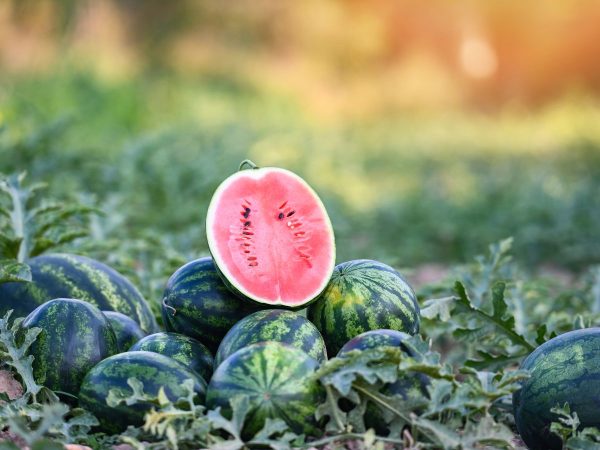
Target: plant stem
x=248 y=163
x=18 y=221
x=329 y=440
x=382 y=403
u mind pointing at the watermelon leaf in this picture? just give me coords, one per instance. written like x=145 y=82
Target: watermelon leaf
x=35 y=229
x=11 y=270
x=505 y=326
x=14 y=351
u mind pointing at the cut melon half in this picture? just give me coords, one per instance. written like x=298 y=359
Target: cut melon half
x=271 y=237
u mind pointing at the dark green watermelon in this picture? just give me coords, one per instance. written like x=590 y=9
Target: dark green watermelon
x=364 y=295
x=197 y=303
x=75 y=336
x=278 y=325
x=278 y=381
x=564 y=369
x=410 y=386
x=188 y=351
x=127 y=330
x=151 y=369
x=374 y=339
x=71 y=276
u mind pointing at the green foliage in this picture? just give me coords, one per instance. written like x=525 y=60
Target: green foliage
x=28 y=228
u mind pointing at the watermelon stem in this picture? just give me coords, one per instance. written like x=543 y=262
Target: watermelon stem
x=164 y=303
x=248 y=163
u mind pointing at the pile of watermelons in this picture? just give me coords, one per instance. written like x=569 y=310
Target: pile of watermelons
x=235 y=322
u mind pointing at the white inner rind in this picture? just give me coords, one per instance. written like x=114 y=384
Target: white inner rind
x=218 y=258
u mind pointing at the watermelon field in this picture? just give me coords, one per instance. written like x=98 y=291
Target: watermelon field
x=202 y=250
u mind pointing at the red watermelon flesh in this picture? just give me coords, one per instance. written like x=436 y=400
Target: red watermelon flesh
x=271 y=237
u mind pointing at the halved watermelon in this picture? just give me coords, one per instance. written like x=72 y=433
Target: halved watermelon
x=270 y=237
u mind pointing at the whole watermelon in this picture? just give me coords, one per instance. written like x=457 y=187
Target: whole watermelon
x=63 y=275
x=197 y=303
x=563 y=369
x=75 y=336
x=188 y=351
x=410 y=386
x=364 y=295
x=279 y=325
x=276 y=379
x=151 y=369
x=127 y=330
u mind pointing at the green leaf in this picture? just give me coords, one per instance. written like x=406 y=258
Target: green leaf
x=501 y=325
x=11 y=270
x=438 y=308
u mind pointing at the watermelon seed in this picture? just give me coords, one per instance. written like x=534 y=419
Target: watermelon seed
x=280 y=216
x=253 y=264
x=246 y=213
x=248 y=233
x=291 y=213
x=283 y=205
x=247 y=223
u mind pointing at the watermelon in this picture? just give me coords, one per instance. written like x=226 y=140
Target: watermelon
x=271 y=237
x=374 y=339
x=277 y=379
x=151 y=369
x=188 y=351
x=364 y=295
x=563 y=369
x=197 y=303
x=408 y=385
x=278 y=325
x=127 y=331
x=70 y=276
x=75 y=336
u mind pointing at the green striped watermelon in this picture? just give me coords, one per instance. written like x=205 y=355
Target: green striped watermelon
x=408 y=385
x=151 y=369
x=70 y=276
x=127 y=330
x=188 y=351
x=364 y=295
x=563 y=369
x=197 y=303
x=75 y=336
x=278 y=381
x=278 y=325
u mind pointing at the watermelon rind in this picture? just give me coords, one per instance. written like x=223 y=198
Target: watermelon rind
x=188 y=351
x=197 y=303
x=364 y=295
x=223 y=270
x=127 y=330
x=62 y=275
x=74 y=337
x=563 y=369
x=278 y=381
x=153 y=370
x=287 y=327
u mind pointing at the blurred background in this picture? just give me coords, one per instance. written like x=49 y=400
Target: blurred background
x=430 y=129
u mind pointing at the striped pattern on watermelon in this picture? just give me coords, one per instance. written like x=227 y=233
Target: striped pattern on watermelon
x=151 y=369
x=197 y=303
x=127 y=331
x=364 y=295
x=63 y=275
x=188 y=351
x=278 y=325
x=277 y=380
x=564 y=369
x=75 y=336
